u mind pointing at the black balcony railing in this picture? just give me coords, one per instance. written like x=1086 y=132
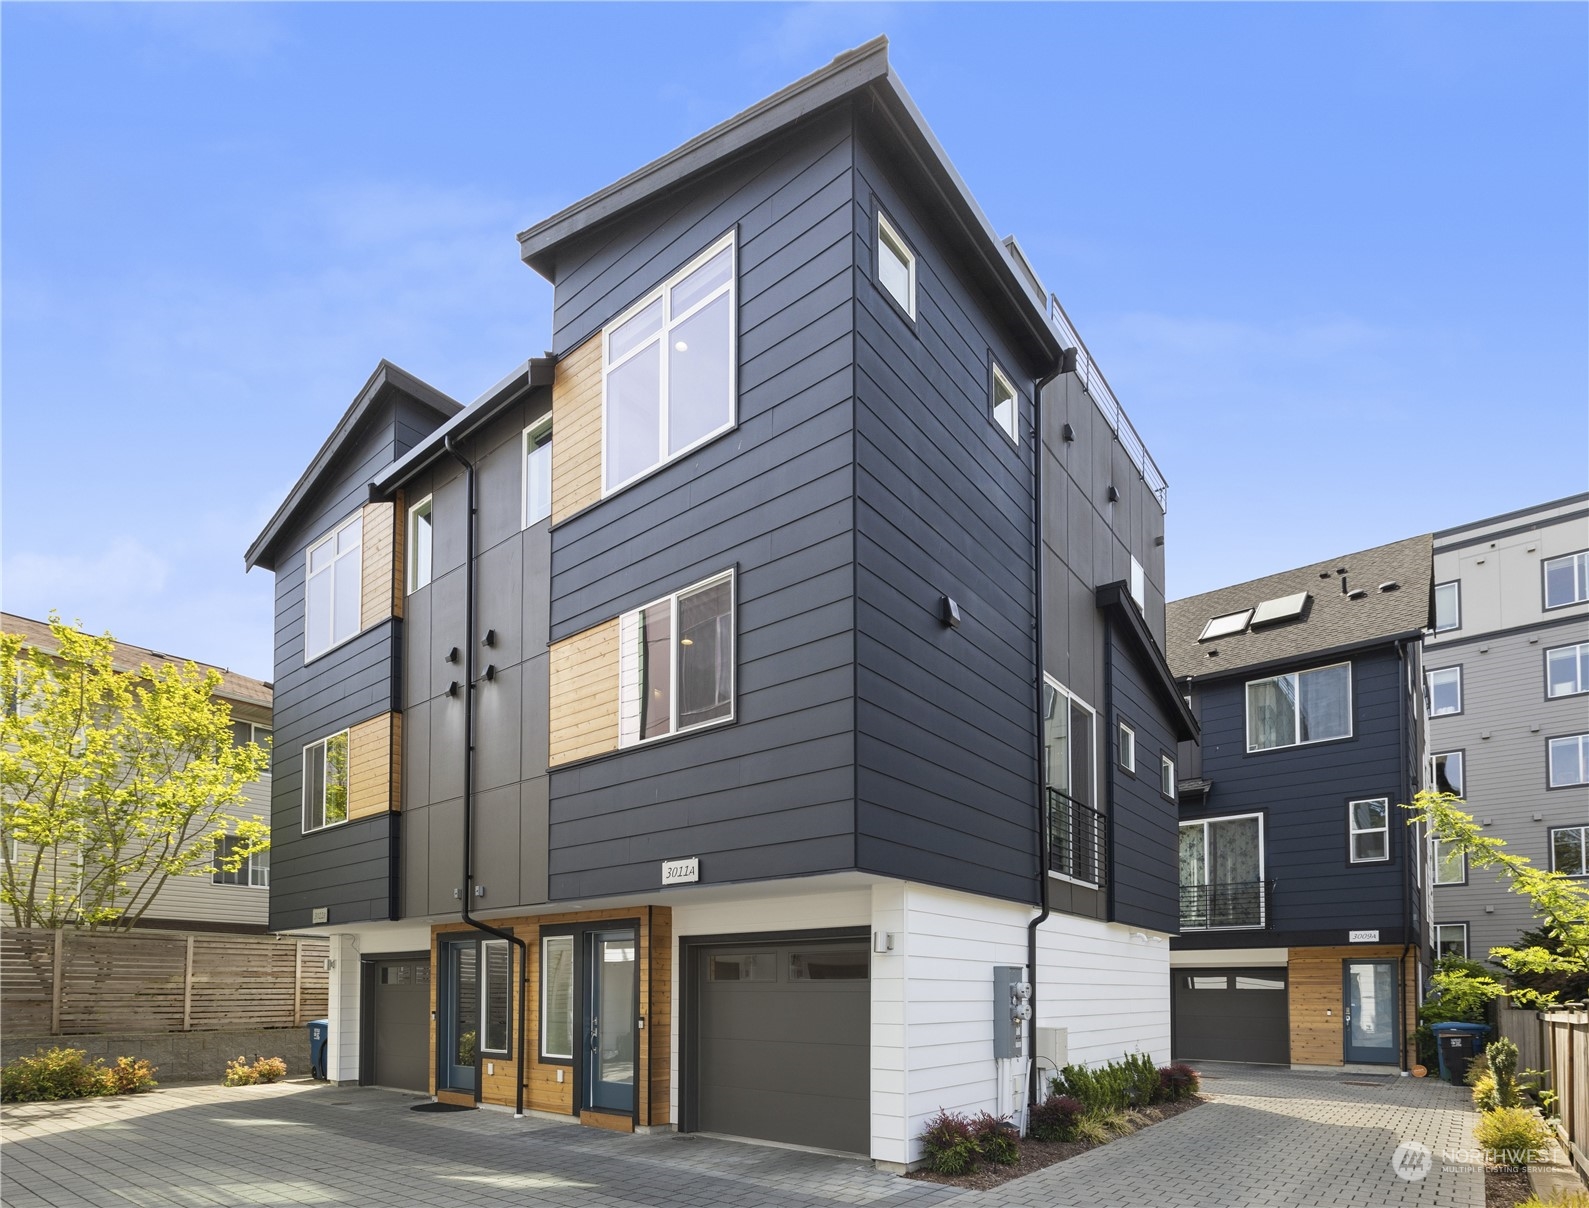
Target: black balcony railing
x=1232 y=904
x=1077 y=839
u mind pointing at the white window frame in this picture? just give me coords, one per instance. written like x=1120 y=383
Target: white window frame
x=1139 y=584
x=412 y=546
x=1091 y=800
x=532 y=437
x=1126 y=752
x=303 y=820
x=1577 y=649
x=309 y=655
x=1434 y=769
x=485 y=998
x=1456 y=591
x=1351 y=712
x=1583 y=847
x=254 y=870
x=573 y=1000
x=1429 y=682
x=1583 y=760
x=669 y=322
x=1000 y=378
x=1579 y=559
x=886 y=230
x=1439 y=927
x=1167 y=776
x=1353 y=831
x=1436 y=858
x=1263 y=865
x=729 y=576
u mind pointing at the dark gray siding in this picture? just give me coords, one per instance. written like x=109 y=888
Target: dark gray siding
x=945 y=718
x=1303 y=792
x=347 y=868
x=1143 y=866
x=770 y=794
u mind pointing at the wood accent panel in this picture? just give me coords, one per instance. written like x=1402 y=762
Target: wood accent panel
x=609 y=1122
x=374 y=751
x=381 y=556
x=576 y=430
x=583 y=707
x=660 y=1022
x=456 y=1098
x=1315 y=987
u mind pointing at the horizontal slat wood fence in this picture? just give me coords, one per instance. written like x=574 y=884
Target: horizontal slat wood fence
x=81 y=983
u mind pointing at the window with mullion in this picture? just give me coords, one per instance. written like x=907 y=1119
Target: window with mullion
x=1448 y=606
x=1369 y=823
x=1567 y=670
x=676 y=662
x=333 y=586
x=325 y=782
x=1566 y=579
x=1299 y=707
x=1569 y=760
x=1451 y=863
x=1567 y=850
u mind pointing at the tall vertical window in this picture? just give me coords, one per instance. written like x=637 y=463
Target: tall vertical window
x=896 y=266
x=557 y=997
x=1300 y=707
x=1075 y=830
x=1128 y=748
x=1448 y=606
x=331 y=594
x=1167 y=776
x=1569 y=760
x=1445 y=691
x=1369 y=824
x=419 y=544
x=253 y=870
x=325 y=782
x=538 y=471
x=1566 y=579
x=495 y=994
x=1005 y=407
x=676 y=662
x=1451 y=863
x=1449 y=776
x=1567 y=670
x=668 y=370
x=1451 y=939
x=1569 y=850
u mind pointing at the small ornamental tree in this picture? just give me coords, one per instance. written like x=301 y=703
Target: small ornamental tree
x=113 y=782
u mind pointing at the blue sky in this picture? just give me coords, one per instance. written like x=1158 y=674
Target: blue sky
x=1331 y=257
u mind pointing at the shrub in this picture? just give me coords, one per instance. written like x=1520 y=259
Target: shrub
x=1054 y=1119
x=949 y=1144
x=1142 y=1080
x=1122 y=1124
x=1511 y=1136
x=130 y=1076
x=1502 y=1057
x=1111 y=1087
x=1559 y=1199
x=1477 y=1068
x=270 y=1069
x=239 y=1073
x=56 y=1073
x=997 y=1140
x=1177 y=1082
x=1093 y=1127
x=1484 y=1095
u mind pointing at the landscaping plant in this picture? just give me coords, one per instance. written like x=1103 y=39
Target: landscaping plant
x=1502 y=1058
x=1177 y=1082
x=949 y=1144
x=1511 y=1136
x=997 y=1140
x=264 y=1069
x=131 y=1076
x=1054 y=1119
x=1114 y=1086
x=1093 y=1127
x=62 y=1073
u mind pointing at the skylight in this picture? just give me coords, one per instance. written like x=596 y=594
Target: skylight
x=1222 y=627
x=1283 y=608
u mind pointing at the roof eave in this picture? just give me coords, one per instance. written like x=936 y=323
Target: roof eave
x=1115 y=599
x=1300 y=657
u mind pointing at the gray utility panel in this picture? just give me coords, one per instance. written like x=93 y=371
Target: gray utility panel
x=399 y=1023
x=783 y=1043
x=1231 y=1015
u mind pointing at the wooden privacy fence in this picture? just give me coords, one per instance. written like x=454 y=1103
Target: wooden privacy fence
x=1558 y=1043
x=83 y=983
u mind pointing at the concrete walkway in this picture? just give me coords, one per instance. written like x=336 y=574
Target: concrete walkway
x=1269 y=1138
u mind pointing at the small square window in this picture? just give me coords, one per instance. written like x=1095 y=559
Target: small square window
x=1369 y=823
x=1451 y=939
x=1006 y=408
x=1128 y=748
x=896 y=266
x=419 y=544
x=1445 y=691
x=1567 y=670
x=1448 y=606
x=1167 y=776
x=1569 y=760
x=1567 y=854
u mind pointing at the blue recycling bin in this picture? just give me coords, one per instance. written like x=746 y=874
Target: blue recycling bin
x=1457 y=1044
x=319 y=1039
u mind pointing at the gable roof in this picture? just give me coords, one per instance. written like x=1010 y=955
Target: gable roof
x=1331 y=620
x=1115 y=599
x=861 y=73
x=387 y=376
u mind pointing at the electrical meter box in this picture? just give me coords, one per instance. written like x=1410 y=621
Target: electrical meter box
x=1012 y=1007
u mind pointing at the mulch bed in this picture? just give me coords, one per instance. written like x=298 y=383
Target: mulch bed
x=1036 y=1155
x=1505 y=1188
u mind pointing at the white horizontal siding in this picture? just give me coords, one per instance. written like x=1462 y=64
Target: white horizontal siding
x=1107 y=985
x=347 y=947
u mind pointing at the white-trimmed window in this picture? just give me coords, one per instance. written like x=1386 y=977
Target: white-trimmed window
x=1448 y=606
x=1128 y=748
x=557 y=997
x=244 y=733
x=325 y=782
x=1567 y=670
x=676 y=662
x=1445 y=691
x=254 y=871
x=538 y=471
x=1451 y=863
x=1369 y=822
x=1568 y=852
x=1006 y=407
x=1069 y=776
x=668 y=369
x=1450 y=773
x=1222 y=873
x=1566 y=579
x=1139 y=585
x=334 y=582
x=496 y=992
x=1569 y=760
x=420 y=544
x=1167 y=776
x=1299 y=707
x=1451 y=939
x=896 y=266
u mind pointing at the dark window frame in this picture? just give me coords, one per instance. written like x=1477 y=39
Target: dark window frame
x=1550 y=849
x=1576 y=784
x=1544 y=592
x=1545 y=669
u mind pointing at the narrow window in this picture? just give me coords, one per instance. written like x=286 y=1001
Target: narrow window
x=1567 y=670
x=1451 y=939
x=1451 y=863
x=1139 y=585
x=1370 y=829
x=1445 y=691
x=1569 y=760
x=1128 y=748
x=1005 y=407
x=1167 y=776
x=1448 y=606
x=557 y=997
x=538 y=471
x=419 y=544
x=1567 y=854
x=1448 y=773
x=496 y=964
x=325 y=782
x=331 y=594
x=1567 y=580
x=896 y=266
x=1301 y=707
x=676 y=662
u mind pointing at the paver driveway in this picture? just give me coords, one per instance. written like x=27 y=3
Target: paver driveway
x=1269 y=1138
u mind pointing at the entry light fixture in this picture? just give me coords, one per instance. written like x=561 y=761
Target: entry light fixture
x=1114 y=495
x=452 y=688
x=452 y=655
x=490 y=638
x=1067 y=434
x=949 y=612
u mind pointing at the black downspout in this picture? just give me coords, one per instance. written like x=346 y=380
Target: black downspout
x=468 y=778
x=1411 y=850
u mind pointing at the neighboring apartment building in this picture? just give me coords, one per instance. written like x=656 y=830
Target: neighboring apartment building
x=700 y=659
x=1303 y=916
x=1508 y=674
x=224 y=901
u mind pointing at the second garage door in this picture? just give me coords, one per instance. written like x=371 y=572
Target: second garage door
x=1231 y=1015
x=783 y=1042
x=399 y=1023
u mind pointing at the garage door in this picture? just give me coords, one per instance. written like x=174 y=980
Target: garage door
x=783 y=1043
x=1231 y=1015
x=400 y=1023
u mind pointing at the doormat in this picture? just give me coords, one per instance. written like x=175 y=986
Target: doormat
x=440 y=1107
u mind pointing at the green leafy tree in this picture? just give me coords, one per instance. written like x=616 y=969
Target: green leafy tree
x=113 y=782
x=1559 y=948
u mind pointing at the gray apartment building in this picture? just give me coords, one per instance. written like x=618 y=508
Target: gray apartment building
x=1507 y=671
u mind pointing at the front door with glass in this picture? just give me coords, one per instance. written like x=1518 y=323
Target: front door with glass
x=611 y=1035
x=458 y=1002
x=1371 y=1012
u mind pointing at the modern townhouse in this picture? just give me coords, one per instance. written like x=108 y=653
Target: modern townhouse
x=1508 y=674
x=750 y=717
x=225 y=901
x=1303 y=912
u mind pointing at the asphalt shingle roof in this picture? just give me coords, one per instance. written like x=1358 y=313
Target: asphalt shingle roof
x=1332 y=618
